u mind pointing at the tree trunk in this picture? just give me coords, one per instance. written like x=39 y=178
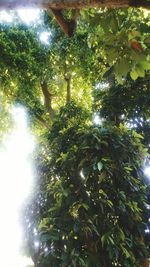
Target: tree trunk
x=73 y=4
x=47 y=100
x=68 y=81
x=69 y=90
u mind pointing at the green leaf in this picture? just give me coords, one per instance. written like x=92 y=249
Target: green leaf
x=114 y=23
x=145 y=65
x=147 y=40
x=138 y=57
x=85 y=206
x=134 y=74
x=128 y=169
x=140 y=71
x=112 y=55
x=125 y=252
x=134 y=34
x=109 y=203
x=121 y=235
x=119 y=79
x=122 y=67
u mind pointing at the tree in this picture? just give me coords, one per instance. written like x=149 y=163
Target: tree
x=84 y=58
x=90 y=198
x=128 y=103
x=94 y=207
x=39 y=72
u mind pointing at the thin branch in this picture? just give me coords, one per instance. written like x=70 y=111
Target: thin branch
x=68 y=80
x=41 y=121
x=47 y=99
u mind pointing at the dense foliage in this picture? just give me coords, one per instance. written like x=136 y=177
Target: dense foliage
x=127 y=103
x=94 y=209
x=70 y=67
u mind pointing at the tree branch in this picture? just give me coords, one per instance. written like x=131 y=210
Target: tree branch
x=68 y=98
x=67 y=26
x=42 y=121
x=73 y=4
x=68 y=79
x=47 y=99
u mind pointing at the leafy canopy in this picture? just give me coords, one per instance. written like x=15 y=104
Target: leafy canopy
x=88 y=206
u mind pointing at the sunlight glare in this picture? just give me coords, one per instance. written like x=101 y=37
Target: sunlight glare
x=5 y=16
x=28 y=15
x=147 y=171
x=98 y=120
x=16 y=177
x=44 y=37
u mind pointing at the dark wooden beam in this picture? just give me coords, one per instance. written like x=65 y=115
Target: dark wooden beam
x=72 y=4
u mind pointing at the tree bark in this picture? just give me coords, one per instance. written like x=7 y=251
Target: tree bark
x=47 y=100
x=68 y=81
x=72 y=4
x=68 y=27
x=42 y=121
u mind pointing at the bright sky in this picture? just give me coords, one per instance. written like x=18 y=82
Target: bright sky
x=16 y=179
x=147 y=171
x=28 y=16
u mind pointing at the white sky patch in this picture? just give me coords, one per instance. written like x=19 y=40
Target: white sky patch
x=5 y=16
x=102 y=85
x=36 y=244
x=147 y=231
x=147 y=171
x=44 y=37
x=28 y=15
x=16 y=177
x=98 y=120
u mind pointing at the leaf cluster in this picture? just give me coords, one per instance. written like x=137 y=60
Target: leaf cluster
x=96 y=196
